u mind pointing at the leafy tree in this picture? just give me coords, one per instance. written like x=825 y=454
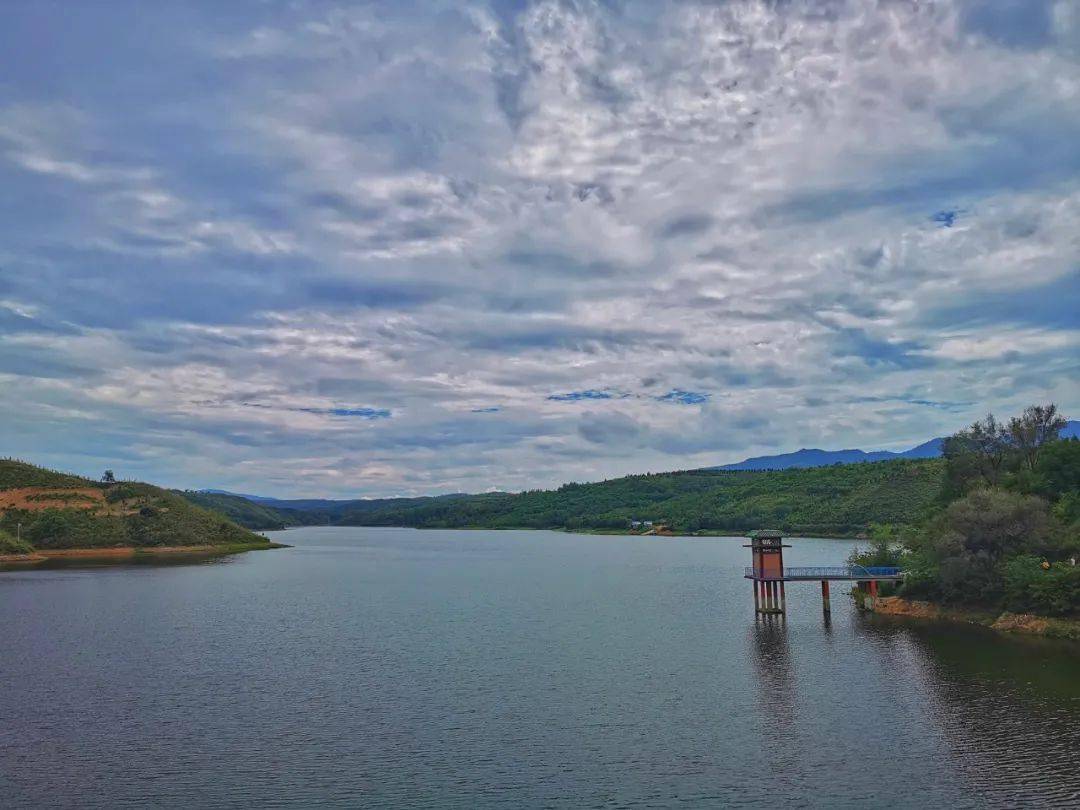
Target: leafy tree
x=1037 y=426
x=884 y=548
x=1067 y=509
x=1058 y=468
x=108 y=477
x=981 y=452
x=994 y=522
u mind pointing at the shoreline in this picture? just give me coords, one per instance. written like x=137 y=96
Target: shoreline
x=130 y=552
x=728 y=533
x=732 y=533
x=1000 y=621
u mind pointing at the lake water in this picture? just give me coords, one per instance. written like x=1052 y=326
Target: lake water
x=399 y=668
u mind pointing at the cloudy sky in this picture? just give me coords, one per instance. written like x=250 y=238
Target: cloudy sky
x=302 y=248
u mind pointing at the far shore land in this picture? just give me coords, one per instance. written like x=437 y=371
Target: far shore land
x=705 y=533
x=733 y=533
x=119 y=553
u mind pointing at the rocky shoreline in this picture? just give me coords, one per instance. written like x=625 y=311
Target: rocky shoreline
x=1006 y=622
x=121 y=553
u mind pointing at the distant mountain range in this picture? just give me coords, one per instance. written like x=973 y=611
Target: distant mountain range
x=823 y=458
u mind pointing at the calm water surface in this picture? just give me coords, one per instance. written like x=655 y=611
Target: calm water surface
x=397 y=668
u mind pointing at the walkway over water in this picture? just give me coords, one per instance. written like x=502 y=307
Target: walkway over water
x=842 y=572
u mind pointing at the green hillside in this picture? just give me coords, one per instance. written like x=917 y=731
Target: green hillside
x=313 y=512
x=838 y=500
x=15 y=474
x=54 y=510
x=251 y=515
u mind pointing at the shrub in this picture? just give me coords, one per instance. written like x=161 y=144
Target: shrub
x=74 y=528
x=1031 y=588
x=128 y=490
x=1059 y=468
x=10 y=545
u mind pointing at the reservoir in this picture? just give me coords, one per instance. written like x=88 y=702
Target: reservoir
x=475 y=669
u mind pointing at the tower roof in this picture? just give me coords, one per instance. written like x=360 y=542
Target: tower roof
x=766 y=534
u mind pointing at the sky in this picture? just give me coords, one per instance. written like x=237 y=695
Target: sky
x=366 y=249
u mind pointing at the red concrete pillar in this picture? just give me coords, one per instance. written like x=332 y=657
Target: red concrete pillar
x=757 y=602
x=826 y=606
x=873 y=593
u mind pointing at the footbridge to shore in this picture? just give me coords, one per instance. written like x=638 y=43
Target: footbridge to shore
x=769 y=574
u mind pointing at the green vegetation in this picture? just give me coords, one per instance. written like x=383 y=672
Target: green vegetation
x=251 y=515
x=842 y=500
x=104 y=515
x=1007 y=532
x=10 y=545
x=15 y=474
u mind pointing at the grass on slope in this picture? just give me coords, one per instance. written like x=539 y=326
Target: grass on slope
x=15 y=474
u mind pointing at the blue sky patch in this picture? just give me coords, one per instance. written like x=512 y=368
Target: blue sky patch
x=684 y=397
x=360 y=413
x=578 y=396
x=945 y=217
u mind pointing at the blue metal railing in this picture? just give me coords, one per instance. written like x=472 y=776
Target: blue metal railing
x=829 y=572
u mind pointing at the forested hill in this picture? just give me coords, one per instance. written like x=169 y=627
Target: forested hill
x=839 y=500
x=52 y=510
x=252 y=514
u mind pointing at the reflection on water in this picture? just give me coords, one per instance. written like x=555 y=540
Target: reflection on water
x=771 y=655
x=146 y=560
x=1008 y=707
